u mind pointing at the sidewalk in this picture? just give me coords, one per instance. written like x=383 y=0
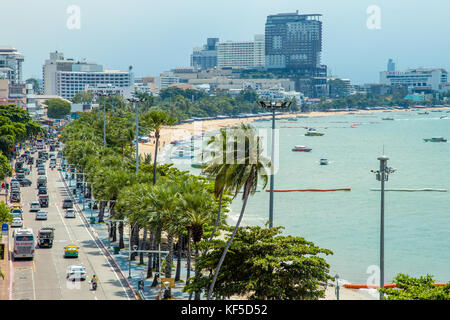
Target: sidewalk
x=137 y=271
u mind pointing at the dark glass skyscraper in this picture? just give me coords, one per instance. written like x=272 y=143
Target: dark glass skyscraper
x=293 y=41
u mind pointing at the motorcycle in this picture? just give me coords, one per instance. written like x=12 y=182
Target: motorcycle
x=94 y=285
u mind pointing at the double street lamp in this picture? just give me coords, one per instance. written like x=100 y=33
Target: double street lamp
x=135 y=100
x=273 y=106
x=382 y=175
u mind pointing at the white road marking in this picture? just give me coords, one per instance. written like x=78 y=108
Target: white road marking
x=65 y=225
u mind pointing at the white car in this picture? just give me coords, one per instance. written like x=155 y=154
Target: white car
x=41 y=215
x=17 y=222
x=70 y=213
x=76 y=273
x=35 y=206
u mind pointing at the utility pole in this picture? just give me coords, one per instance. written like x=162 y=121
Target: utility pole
x=382 y=175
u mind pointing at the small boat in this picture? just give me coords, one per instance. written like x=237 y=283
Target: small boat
x=389 y=118
x=313 y=133
x=323 y=162
x=182 y=155
x=301 y=149
x=443 y=117
x=197 y=165
x=438 y=139
x=426 y=112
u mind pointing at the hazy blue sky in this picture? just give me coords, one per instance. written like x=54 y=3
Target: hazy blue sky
x=156 y=35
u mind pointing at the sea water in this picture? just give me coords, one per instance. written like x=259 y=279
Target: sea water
x=417 y=224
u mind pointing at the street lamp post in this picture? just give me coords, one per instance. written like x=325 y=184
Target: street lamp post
x=382 y=175
x=273 y=105
x=134 y=101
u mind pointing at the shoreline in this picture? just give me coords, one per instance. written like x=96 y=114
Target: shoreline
x=185 y=130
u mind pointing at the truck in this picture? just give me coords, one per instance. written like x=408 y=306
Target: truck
x=43 y=200
x=45 y=237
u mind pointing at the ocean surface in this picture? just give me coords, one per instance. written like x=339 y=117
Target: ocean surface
x=417 y=224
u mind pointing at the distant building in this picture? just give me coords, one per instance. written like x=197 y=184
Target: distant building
x=164 y=80
x=293 y=41
x=206 y=56
x=391 y=65
x=241 y=54
x=417 y=80
x=67 y=77
x=11 y=64
x=339 y=88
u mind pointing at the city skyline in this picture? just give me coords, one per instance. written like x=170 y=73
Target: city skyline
x=350 y=48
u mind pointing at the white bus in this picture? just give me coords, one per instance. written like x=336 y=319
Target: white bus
x=24 y=243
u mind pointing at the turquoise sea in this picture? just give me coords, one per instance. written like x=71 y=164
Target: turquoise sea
x=417 y=224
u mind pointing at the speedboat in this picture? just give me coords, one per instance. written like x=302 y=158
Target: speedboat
x=388 y=118
x=426 y=112
x=301 y=149
x=438 y=139
x=323 y=162
x=313 y=133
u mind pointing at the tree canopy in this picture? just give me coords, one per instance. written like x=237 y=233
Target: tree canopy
x=57 y=108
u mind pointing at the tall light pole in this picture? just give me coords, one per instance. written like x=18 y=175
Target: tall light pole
x=382 y=175
x=135 y=101
x=273 y=106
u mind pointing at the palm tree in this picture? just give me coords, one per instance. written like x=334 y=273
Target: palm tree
x=155 y=119
x=242 y=176
x=199 y=205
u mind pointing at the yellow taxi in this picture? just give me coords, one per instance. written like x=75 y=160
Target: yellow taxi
x=16 y=206
x=71 y=251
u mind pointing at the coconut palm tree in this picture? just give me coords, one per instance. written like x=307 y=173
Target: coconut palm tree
x=243 y=175
x=154 y=120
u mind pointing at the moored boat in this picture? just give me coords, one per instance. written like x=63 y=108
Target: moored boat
x=323 y=162
x=389 y=118
x=436 y=139
x=301 y=149
x=313 y=133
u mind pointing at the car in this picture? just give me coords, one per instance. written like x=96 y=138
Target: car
x=76 y=273
x=70 y=213
x=71 y=251
x=25 y=182
x=17 y=222
x=14 y=197
x=41 y=215
x=16 y=206
x=42 y=190
x=35 y=206
x=17 y=213
x=33 y=150
x=41 y=172
x=67 y=203
x=14 y=183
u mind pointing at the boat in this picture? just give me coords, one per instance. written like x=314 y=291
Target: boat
x=197 y=165
x=323 y=162
x=301 y=149
x=313 y=133
x=182 y=155
x=426 y=112
x=389 y=118
x=438 y=139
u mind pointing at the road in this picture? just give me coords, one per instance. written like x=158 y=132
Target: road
x=44 y=277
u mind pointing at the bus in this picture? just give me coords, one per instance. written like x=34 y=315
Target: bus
x=24 y=243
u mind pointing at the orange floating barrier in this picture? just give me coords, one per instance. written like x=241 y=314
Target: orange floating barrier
x=309 y=190
x=388 y=285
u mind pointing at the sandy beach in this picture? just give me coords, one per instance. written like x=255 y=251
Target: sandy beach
x=181 y=131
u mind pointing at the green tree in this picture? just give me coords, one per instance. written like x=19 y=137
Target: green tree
x=264 y=265
x=5 y=213
x=5 y=168
x=57 y=108
x=423 y=288
x=155 y=119
x=83 y=97
x=242 y=174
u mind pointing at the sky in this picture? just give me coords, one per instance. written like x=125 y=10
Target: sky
x=158 y=35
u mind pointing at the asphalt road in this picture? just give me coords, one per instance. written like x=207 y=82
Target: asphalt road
x=44 y=277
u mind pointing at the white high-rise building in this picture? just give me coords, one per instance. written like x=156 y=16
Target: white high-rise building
x=241 y=54
x=11 y=64
x=67 y=77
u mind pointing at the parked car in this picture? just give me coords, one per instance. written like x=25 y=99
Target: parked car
x=17 y=222
x=41 y=171
x=76 y=273
x=17 y=213
x=41 y=215
x=70 y=213
x=42 y=190
x=15 y=197
x=35 y=206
